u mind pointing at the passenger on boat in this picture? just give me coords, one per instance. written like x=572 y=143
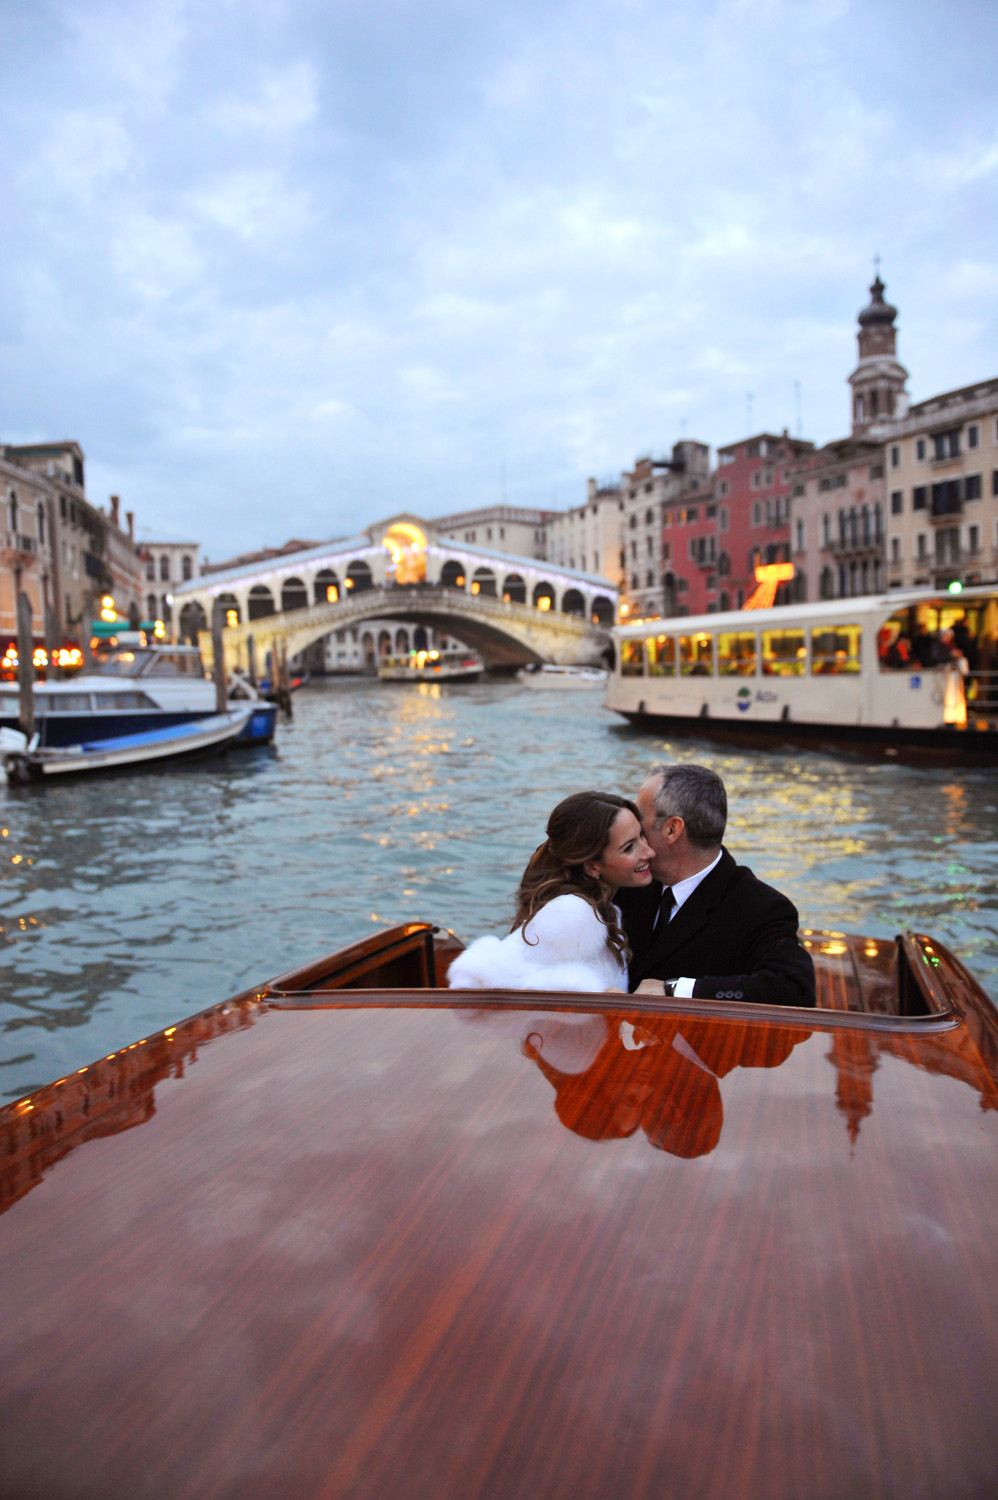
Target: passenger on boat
x=707 y=928
x=566 y=933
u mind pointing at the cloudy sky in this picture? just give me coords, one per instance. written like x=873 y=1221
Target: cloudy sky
x=284 y=267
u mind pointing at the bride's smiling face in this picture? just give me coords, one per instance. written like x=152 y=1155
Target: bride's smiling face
x=624 y=861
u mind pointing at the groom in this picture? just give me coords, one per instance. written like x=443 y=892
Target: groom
x=706 y=927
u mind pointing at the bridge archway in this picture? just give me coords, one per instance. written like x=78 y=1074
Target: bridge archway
x=602 y=611
x=192 y=620
x=572 y=603
x=261 y=602
x=294 y=595
x=406 y=544
x=325 y=580
x=452 y=574
x=231 y=612
x=484 y=582
x=359 y=578
x=543 y=596
x=514 y=590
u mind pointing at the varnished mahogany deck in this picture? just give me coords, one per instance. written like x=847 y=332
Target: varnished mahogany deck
x=308 y=1244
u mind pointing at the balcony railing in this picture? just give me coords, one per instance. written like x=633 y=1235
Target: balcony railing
x=15 y=541
x=842 y=546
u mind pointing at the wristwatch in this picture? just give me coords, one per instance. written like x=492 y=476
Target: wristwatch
x=669 y=987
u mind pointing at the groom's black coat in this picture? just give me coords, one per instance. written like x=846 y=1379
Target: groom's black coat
x=734 y=935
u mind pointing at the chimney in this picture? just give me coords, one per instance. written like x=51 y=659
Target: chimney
x=115 y=508
x=130 y=518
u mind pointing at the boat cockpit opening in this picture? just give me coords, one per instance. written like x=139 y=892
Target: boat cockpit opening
x=893 y=982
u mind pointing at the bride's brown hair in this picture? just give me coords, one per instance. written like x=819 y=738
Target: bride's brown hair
x=578 y=831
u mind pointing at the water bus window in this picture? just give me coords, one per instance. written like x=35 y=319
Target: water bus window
x=661 y=651
x=835 y=650
x=783 y=653
x=632 y=658
x=696 y=655
x=62 y=703
x=736 y=653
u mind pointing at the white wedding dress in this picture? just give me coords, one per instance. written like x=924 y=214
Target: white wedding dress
x=563 y=947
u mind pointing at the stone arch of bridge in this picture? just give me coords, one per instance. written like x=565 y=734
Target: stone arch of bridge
x=505 y=635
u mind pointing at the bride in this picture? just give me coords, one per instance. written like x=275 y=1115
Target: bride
x=566 y=933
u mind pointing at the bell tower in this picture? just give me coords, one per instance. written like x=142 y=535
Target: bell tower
x=878 y=381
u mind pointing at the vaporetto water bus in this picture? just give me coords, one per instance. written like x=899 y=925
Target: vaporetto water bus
x=914 y=672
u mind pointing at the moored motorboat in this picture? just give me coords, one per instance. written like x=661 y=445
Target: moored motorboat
x=905 y=673
x=134 y=687
x=551 y=676
x=351 y=1233
x=431 y=666
x=25 y=760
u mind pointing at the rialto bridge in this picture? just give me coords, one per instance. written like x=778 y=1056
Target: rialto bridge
x=511 y=609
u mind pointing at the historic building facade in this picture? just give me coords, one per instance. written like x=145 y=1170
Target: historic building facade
x=166 y=564
x=64 y=552
x=941 y=465
x=519 y=530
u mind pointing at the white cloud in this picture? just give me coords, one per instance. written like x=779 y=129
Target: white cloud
x=286 y=100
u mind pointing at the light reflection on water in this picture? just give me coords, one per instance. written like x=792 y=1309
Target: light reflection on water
x=128 y=902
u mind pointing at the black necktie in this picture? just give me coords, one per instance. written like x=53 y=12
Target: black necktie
x=665 y=906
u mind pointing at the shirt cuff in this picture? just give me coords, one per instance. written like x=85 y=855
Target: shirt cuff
x=684 y=989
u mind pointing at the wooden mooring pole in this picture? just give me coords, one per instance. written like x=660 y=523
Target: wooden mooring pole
x=218 y=657
x=25 y=667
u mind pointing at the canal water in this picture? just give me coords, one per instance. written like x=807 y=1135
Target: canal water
x=131 y=901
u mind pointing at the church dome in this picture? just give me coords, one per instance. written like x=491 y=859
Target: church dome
x=879 y=313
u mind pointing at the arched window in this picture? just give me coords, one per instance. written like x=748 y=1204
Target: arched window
x=186 y=569
x=452 y=574
x=572 y=603
x=261 y=602
x=41 y=526
x=294 y=595
x=368 y=648
x=514 y=590
x=384 y=643
x=150 y=606
x=164 y=569
x=484 y=583
x=543 y=597
x=231 y=614
x=401 y=642
x=150 y=569
x=602 y=610
x=724 y=565
x=13 y=511
x=326 y=587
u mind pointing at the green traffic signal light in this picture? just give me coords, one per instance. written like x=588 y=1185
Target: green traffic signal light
x=956 y=587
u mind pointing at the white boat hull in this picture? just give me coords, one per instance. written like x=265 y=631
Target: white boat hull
x=180 y=741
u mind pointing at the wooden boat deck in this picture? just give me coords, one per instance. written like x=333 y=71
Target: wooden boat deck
x=360 y=1242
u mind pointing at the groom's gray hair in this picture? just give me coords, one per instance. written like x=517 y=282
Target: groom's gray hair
x=694 y=794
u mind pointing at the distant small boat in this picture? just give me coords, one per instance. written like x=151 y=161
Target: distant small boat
x=24 y=761
x=268 y=690
x=431 y=666
x=562 y=679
